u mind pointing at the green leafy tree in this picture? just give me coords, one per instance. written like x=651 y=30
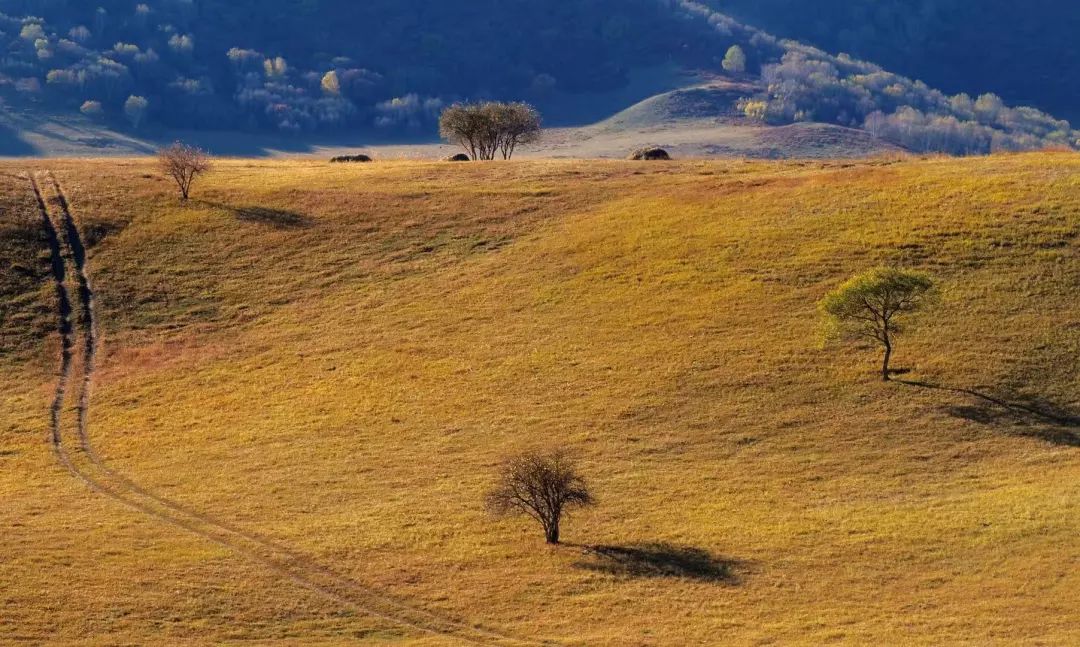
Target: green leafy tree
x=876 y=306
x=735 y=60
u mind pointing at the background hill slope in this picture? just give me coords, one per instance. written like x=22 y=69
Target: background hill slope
x=336 y=358
x=386 y=68
x=1024 y=51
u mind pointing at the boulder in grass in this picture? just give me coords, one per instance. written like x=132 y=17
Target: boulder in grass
x=650 y=153
x=351 y=158
x=459 y=157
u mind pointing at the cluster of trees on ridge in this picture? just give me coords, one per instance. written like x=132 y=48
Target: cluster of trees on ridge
x=490 y=128
x=810 y=85
x=1023 y=51
x=305 y=65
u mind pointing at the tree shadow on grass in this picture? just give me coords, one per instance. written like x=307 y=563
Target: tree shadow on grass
x=659 y=560
x=1026 y=416
x=277 y=218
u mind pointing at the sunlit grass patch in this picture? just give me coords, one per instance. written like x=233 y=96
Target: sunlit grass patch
x=339 y=356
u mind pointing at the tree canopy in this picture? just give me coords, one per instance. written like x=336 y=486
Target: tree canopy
x=490 y=128
x=544 y=486
x=876 y=306
x=735 y=60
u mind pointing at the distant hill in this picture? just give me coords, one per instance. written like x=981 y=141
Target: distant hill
x=389 y=67
x=1027 y=52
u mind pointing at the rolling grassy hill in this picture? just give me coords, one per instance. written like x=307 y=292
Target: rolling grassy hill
x=701 y=120
x=306 y=377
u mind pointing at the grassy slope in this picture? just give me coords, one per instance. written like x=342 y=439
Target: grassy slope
x=337 y=356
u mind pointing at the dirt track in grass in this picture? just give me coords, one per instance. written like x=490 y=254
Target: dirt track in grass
x=78 y=327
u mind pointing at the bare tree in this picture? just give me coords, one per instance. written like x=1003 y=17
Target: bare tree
x=542 y=486
x=183 y=164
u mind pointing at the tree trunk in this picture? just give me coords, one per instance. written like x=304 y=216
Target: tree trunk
x=885 y=375
x=551 y=533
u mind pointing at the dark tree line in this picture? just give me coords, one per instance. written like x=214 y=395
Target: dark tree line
x=397 y=63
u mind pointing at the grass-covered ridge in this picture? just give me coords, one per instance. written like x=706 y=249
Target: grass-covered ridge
x=337 y=356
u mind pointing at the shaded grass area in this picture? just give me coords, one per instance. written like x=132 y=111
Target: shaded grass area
x=1029 y=416
x=275 y=218
x=347 y=387
x=659 y=560
x=24 y=267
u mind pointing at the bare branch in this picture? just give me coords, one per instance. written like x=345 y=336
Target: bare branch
x=183 y=164
x=541 y=486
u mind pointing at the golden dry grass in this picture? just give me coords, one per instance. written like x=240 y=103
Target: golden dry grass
x=337 y=356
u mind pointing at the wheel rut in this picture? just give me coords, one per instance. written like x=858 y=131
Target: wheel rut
x=78 y=325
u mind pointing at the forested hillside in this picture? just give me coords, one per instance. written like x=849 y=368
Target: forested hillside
x=307 y=65
x=1024 y=51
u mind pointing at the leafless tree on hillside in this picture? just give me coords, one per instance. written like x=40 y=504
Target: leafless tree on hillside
x=183 y=164
x=542 y=486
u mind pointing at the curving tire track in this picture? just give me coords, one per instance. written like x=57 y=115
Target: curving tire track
x=64 y=326
x=69 y=265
